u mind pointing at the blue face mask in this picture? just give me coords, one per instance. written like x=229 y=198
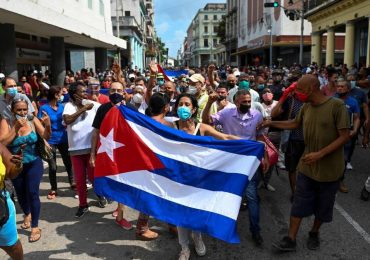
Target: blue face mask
x=11 y=91
x=184 y=113
x=353 y=83
x=61 y=98
x=160 y=82
x=261 y=86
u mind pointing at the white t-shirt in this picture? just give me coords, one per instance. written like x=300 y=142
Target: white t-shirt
x=80 y=131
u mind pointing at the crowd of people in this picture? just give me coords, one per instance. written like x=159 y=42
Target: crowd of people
x=254 y=103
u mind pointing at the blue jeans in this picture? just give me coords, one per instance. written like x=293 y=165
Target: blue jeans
x=253 y=203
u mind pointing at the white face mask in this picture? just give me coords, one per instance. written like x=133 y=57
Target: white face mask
x=191 y=90
x=21 y=117
x=138 y=98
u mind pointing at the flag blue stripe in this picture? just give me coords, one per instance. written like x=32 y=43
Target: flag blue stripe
x=213 y=224
x=242 y=147
x=201 y=178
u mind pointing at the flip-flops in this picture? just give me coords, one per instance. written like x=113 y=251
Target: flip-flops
x=52 y=194
x=35 y=236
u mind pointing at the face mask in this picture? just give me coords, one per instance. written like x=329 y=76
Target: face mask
x=184 y=113
x=192 y=90
x=261 y=86
x=220 y=98
x=115 y=98
x=20 y=117
x=160 y=82
x=244 y=85
x=61 y=98
x=244 y=108
x=147 y=78
x=267 y=96
x=342 y=94
x=301 y=97
x=137 y=98
x=11 y=91
x=85 y=102
x=353 y=83
x=230 y=85
x=132 y=79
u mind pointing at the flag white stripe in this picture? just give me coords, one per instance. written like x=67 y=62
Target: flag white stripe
x=199 y=156
x=219 y=202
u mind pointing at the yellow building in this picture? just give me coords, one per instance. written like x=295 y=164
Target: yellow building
x=350 y=18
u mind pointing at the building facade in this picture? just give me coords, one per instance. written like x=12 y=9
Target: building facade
x=331 y=18
x=260 y=27
x=40 y=35
x=231 y=31
x=202 y=35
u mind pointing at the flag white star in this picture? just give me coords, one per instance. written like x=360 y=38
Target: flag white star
x=108 y=145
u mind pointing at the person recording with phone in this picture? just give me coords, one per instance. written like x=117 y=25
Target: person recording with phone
x=20 y=135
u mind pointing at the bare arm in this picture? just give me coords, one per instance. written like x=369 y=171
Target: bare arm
x=69 y=119
x=13 y=163
x=356 y=124
x=365 y=107
x=290 y=124
x=210 y=131
x=343 y=137
x=206 y=116
x=94 y=144
x=7 y=135
x=44 y=132
x=277 y=110
x=153 y=74
x=210 y=70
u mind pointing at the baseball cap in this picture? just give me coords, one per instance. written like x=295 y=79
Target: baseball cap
x=197 y=78
x=160 y=76
x=236 y=73
x=2 y=75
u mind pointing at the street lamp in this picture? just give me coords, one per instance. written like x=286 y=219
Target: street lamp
x=269 y=30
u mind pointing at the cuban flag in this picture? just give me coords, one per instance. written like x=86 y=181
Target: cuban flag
x=195 y=182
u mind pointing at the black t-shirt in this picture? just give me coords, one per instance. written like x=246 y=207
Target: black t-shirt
x=102 y=111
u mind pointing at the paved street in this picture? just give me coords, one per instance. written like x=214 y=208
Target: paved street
x=97 y=237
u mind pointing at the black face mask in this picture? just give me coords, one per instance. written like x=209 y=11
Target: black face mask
x=115 y=98
x=220 y=98
x=244 y=108
x=230 y=85
x=342 y=94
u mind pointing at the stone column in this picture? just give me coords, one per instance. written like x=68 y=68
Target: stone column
x=330 y=46
x=8 y=51
x=349 y=47
x=316 y=39
x=101 y=62
x=58 y=63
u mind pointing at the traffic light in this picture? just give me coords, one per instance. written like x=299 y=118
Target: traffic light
x=273 y=4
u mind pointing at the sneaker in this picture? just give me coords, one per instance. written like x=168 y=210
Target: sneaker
x=102 y=201
x=76 y=196
x=281 y=165
x=349 y=166
x=343 y=188
x=123 y=223
x=364 y=194
x=115 y=213
x=184 y=254
x=270 y=188
x=313 y=241
x=286 y=244
x=258 y=240
x=200 y=247
x=88 y=185
x=82 y=211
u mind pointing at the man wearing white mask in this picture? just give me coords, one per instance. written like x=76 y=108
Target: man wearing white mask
x=11 y=93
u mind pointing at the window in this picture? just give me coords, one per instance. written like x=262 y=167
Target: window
x=206 y=43
x=206 y=29
x=215 y=29
x=205 y=17
x=101 y=7
x=214 y=42
x=215 y=17
x=44 y=40
x=34 y=38
x=127 y=13
x=89 y=4
x=23 y=36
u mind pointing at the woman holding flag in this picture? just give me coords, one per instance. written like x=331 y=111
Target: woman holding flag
x=187 y=107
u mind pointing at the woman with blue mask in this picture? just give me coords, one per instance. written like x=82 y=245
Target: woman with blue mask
x=58 y=140
x=187 y=107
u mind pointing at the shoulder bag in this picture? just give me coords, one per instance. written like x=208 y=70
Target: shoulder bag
x=272 y=152
x=4 y=210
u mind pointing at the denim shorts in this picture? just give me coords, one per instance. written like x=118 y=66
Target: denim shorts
x=314 y=198
x=8 y=232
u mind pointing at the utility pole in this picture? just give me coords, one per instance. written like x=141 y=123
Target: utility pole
x=118 y=32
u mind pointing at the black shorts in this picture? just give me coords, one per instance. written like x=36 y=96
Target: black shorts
x=293 y=154
x=314 y=198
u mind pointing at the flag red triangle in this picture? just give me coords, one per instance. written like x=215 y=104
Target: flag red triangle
x=135 y=155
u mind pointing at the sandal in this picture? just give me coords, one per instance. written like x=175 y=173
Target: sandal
x=26 y=222
x=52 y=194
x=35 y=235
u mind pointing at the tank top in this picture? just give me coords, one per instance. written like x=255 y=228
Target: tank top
x=2 y=173
x=29 y=152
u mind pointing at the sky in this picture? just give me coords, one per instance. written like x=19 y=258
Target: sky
x=172 y=19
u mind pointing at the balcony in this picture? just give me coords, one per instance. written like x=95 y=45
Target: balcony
x=129 y=21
